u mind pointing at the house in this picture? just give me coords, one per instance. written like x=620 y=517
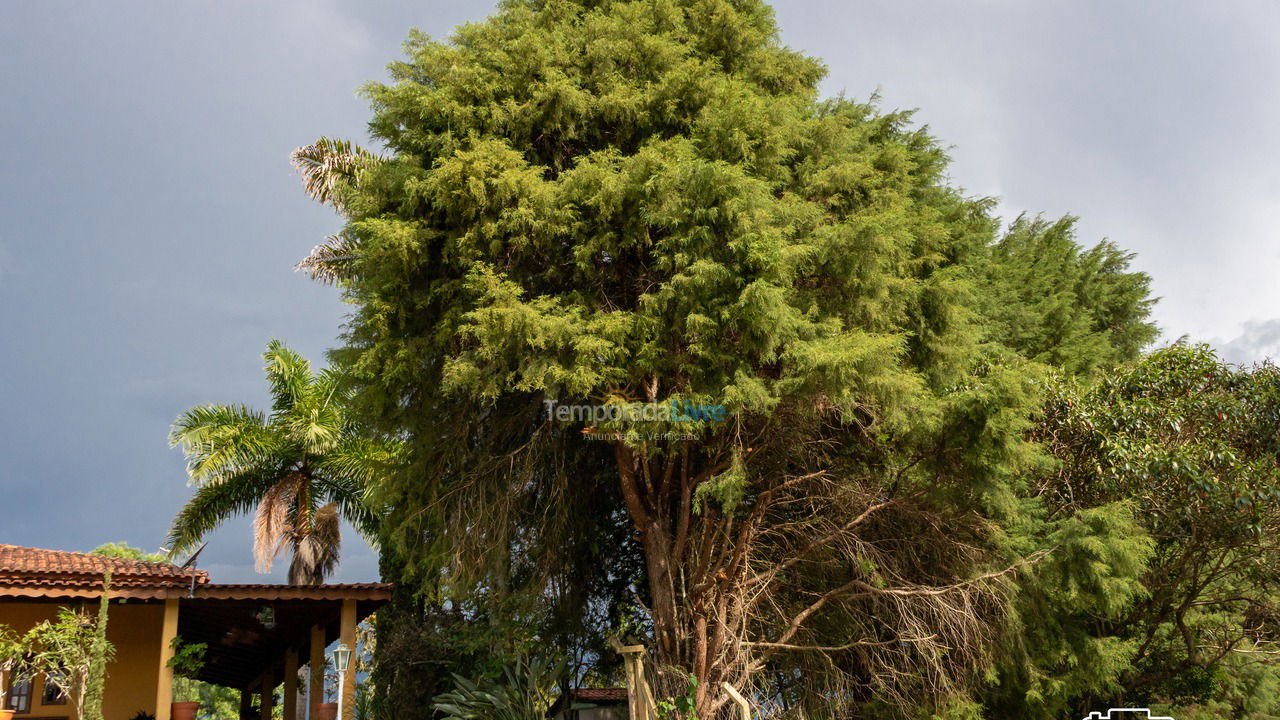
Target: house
x=591 y=704
x=257 y=635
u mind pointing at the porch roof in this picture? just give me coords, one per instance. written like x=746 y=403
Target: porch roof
x=247 y=628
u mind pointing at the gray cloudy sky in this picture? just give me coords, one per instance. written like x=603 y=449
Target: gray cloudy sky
x=149 y=217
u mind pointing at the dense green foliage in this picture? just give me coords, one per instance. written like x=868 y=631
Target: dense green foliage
x=590 y=202
x=1059 y=304
x=523 y=691
x=186 y=661
x=1192 y=444
x=299 y=469
x=220 y=703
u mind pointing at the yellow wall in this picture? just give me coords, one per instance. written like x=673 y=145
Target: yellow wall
x=133 y=628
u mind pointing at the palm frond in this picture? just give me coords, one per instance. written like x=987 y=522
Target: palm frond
x=223 y=441
x=333 y=260
x=354 y=505
x=288 y=376
x=348 y=472
x=213 y=504
x=334 y=386
x=316 y=554
x=272 y=526
x=316 y=426
x=360 y=460
x=327 y=164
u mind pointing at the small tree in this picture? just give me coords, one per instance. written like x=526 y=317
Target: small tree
x=187 y=662
x=72 y=652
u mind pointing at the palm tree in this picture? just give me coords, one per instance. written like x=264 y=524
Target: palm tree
x=299 y=469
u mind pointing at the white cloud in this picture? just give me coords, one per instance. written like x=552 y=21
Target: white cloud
x=1259 y=341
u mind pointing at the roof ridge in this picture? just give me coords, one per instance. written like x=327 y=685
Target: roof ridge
x=90 y=555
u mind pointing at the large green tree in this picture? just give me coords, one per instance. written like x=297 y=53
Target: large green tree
x=586 y=202
x=299 y=469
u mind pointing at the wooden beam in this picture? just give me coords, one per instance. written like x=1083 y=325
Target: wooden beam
x=164 y=678
x=246 y=702
x=348 y=634
x=291 y=684
x=743 y=706
x=315 y=663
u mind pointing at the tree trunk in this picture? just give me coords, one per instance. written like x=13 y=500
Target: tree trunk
x=685 y=563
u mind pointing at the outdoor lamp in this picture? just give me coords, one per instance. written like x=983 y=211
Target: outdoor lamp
x=341 y=659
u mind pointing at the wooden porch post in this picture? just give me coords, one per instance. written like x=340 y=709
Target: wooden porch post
x=315 y=663
x=164 y=680
x=348 y=634
x=268 y=695
x=291 y=684
x=246 y=702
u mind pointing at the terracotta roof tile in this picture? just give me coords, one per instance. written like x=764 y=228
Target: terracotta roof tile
x=24 y=566
x=599 y=695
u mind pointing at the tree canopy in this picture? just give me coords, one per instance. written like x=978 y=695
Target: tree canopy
x=647 y=203
x=125 y=551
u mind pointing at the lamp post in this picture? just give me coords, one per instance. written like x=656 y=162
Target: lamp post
x=341 y=661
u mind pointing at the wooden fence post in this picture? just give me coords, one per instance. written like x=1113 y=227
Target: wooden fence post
x=640 y=702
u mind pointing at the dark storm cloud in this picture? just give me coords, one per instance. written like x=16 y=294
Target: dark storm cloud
x=149 y=218
x=148 y=223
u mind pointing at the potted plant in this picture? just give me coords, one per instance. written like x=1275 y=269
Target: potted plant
x=12 y=652
x=327 y=710
x=187 y=662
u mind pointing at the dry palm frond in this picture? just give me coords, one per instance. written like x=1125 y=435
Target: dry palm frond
x=316 y=554
x=271 y=526
x=328 y=163
x=330 y=261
